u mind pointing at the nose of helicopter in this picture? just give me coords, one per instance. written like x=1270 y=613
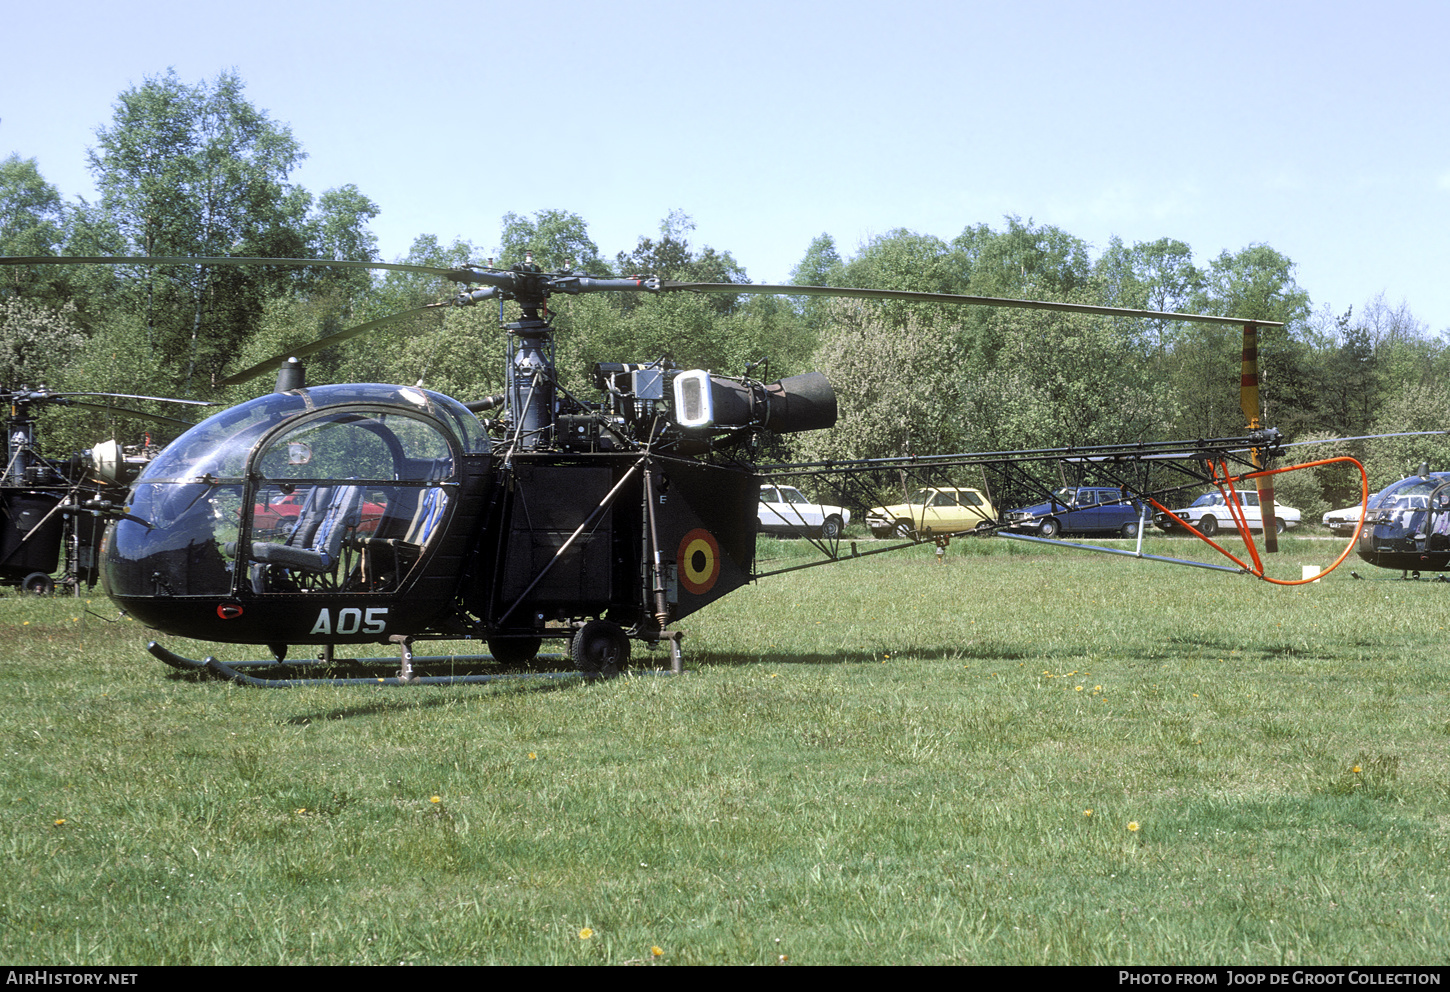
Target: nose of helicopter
x=173 y=543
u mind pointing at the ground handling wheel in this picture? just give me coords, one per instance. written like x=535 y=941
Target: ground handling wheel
x=38 y=584
x=600 y=649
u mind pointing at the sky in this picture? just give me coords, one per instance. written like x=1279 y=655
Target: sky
x=1318 y=128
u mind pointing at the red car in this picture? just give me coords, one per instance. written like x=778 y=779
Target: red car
x=279 y=514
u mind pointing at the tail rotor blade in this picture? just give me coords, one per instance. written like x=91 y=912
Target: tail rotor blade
x=1249 y=403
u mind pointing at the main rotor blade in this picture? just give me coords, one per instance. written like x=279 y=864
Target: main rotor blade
x=1365 y=437
x=755 y=289
x=759 y=289
x=270 y=364
x=330 y=263
x=133 y=396
x=124 y=412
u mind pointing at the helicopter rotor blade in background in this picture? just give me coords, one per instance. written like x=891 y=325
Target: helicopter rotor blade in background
x=133 y=396
x=270 y=364
x=139 y=414
x=21 y=400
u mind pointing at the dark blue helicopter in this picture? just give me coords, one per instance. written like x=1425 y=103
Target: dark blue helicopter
x=1407 y=525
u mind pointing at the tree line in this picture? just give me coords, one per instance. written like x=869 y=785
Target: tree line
x=194 y=170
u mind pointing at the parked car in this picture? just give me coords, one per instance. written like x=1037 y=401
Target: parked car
x=278 y=514
x=786 y=510
x=1343 y=522
x=937 y=510
x=1210 y=514
x=1080 y=510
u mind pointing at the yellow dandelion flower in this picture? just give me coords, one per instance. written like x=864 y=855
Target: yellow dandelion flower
x=1356 y=769
x=1078 y=689
x=532 y=756
x=1133 y=826
x=435 y=799
x=586 y=933
x=1087 y=812
x=784 y=958
x=302 y=810
x=658 y=952
x=60 y=823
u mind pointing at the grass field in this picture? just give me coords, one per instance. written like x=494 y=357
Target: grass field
x=1016 y=756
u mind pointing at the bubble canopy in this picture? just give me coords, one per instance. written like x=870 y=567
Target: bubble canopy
x=269 y=497
x=219 y=446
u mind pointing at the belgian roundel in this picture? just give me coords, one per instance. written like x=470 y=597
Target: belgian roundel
x=699 y=560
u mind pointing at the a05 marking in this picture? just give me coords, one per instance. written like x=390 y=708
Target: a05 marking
x=352 y=620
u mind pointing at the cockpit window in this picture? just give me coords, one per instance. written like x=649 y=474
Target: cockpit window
x=290 y=493
x=356 y=445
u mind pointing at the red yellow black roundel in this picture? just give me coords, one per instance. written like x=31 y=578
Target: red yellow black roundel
x=699 y=560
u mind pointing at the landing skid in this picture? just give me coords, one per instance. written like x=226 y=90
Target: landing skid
x=410 y=669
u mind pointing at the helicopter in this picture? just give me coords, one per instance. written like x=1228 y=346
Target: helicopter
x=1406 y=525
x=596 y=523
x=48 y=507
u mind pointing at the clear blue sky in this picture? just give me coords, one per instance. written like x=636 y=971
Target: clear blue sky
x=1319 y=128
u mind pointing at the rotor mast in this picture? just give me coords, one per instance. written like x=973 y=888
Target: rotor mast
x=530 y=390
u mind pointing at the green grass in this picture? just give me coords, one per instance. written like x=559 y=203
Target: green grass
x=887 y=761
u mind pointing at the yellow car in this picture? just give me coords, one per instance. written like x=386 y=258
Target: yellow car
x=938 y=510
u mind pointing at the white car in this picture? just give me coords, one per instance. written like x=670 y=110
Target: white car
x=1209 y=514
x=1343 y=522
x=785 y=510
